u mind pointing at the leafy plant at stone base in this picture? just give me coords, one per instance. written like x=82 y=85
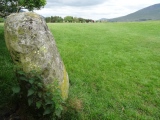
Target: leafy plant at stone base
x=42 y=102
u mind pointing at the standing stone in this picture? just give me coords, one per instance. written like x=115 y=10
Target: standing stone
x=32 y=47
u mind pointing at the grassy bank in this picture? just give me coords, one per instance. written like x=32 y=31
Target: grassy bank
x=114 y=69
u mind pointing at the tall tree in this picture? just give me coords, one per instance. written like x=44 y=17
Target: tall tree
x=81 y=20
x=48 y=19
x=59 y=19
x=75 y=19
x=6 y=7
x=11 y=6
x=68 y=19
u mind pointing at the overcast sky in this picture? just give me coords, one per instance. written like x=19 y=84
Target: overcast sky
x=93 y=9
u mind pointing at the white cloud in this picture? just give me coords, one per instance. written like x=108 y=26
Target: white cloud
x=74 y=2
x=93 y=9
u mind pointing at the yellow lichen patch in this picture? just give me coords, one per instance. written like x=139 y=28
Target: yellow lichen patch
x=43 y=48
x=28 y=64
x=10 y=37
x=21 y=31
x=65 y=85
x=32 y=14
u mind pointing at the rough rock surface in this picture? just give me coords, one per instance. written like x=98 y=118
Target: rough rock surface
x=33 y=47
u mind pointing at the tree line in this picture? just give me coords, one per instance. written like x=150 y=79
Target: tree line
x=69 y=19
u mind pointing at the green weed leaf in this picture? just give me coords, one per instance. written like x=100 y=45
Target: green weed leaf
x=23 y=78
x=47 y=111
x=48 y=101
x=30 y=92
x=38 y=104
x=21 y=72
x=31 y=81
x=40 y=85
x=39 y=94
x=16 y=89
x=48 y=94
x=58 y=112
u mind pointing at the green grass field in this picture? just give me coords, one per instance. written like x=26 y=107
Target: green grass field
x=114 y=69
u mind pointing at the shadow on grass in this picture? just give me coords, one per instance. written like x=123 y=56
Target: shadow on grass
x=70 y=114
x=72 y=109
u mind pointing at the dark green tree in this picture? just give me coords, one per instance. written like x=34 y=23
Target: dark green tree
x=52 y=19
x=89 y=20
x=11 y=6
x=76 y=20
x=48 y=19
x=59 y=19
x=55 y=19
x=81 y=20
x=68 y=19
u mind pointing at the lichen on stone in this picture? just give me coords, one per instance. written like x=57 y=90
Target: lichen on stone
x=65 y=84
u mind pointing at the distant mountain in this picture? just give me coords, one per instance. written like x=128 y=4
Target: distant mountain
x=103 y=19
x=148 y=13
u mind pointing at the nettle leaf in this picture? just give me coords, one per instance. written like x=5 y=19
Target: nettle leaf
x=30 y=101
x=48 y=101
x=21 y=72
x=23 y=78
x=30 y=92
x=53 y=105
x=48 y=94
x=58 y=112
x=38 y=104
x=39 y=77
x=31 y=81
x=58 y=106
x=39 y=94
x=40 y=85
x=16 y=89
x=47 y=111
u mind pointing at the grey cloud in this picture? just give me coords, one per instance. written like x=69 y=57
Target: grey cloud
x=76 y=3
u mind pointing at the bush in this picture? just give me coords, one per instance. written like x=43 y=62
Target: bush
x=42 y=102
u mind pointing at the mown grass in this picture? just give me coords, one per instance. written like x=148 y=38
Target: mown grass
x=114 y=69
x=7 y=76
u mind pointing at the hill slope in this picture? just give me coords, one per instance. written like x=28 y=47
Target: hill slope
x=148 y=13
